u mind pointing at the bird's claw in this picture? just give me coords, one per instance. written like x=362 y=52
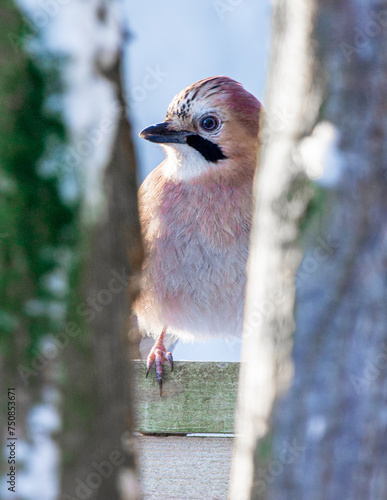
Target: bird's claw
x=170 y=359
x=160 y=355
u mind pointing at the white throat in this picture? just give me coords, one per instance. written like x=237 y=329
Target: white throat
x=184 y=162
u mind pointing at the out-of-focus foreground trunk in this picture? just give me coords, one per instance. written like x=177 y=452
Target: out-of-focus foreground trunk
x=98 y=420
x=327 y=434
x=103 y=464
x=70 y=250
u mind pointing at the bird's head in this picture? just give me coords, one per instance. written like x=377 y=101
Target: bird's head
x=212 y=124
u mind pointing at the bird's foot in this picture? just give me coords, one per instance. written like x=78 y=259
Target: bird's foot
x=160 y=354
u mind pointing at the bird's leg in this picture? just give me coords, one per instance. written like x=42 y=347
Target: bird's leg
x=160 y=354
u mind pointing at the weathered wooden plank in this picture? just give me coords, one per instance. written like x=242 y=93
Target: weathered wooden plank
x=197 y=397
x=176 y=468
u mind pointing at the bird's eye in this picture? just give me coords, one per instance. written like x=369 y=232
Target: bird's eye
x=209 y=123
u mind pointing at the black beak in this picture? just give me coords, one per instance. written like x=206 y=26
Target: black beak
x=163 y=133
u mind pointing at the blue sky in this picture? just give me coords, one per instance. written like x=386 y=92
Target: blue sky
x=176 y=43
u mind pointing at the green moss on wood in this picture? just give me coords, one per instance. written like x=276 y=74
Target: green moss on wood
x=197 y=397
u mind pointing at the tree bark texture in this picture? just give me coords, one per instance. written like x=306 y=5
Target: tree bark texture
x=329 y=432
x=281 y=195
x=335 y=412
x=101 y=375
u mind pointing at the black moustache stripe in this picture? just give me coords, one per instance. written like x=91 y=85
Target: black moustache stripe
x=209 y=150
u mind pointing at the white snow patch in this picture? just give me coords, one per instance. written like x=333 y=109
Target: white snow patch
x=320 y=154
x=38 y=456
x=74 y=31
x=316 y=427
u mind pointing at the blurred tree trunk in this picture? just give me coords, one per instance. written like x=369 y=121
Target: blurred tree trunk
x=326 y=438
x=102 y=464
x=39 y=236
x=37 y=227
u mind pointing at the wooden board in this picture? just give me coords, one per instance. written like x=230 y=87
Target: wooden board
x=181 y=468
x=197 y=397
